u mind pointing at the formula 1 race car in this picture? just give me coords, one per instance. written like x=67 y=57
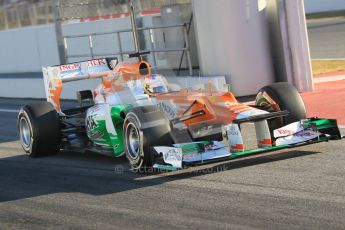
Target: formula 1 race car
x=137 y=113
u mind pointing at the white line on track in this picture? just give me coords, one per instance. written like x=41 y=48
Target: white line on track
x=328 y=59
x=9 y=110
x=328 y=79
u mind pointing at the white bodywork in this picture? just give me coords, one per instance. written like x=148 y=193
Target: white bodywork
x=294 y=133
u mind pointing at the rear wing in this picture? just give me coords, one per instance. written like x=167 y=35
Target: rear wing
x=55 y=76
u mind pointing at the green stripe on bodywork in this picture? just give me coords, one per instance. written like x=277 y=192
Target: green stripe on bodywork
x=324 y=126
x=192 y=148
x=255 y=151
x=117 y=141
x=108 y=139
x=320 y=123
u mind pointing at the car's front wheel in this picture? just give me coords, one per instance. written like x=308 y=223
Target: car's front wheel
x=144 y=128
x=278 y=97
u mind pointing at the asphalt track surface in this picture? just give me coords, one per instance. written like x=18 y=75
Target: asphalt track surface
x=327 y=38
x=301 y=188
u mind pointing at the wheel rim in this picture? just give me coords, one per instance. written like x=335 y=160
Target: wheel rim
x=25 y=132
x=133 y=140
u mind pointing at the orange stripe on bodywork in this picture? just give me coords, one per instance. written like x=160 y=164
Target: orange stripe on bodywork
x=54 y=94
x=238 y=147
x=265 y=142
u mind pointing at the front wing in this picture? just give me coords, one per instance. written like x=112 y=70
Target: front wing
x=308 y=131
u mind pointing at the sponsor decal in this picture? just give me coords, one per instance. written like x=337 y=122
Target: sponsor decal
x=199 y=151
x=167 y=109
x=285 y=132
x=232 y=130
x=95 y=135
x=173 y=154
x=302 y=136
x=70 y=67
x=191 y=156
x=214 y=145
x=268 y=99
x=207 y=155
x=90 y=123
x=266 y=102
x=93 y=110
x=234 y=138
x=96 y=62
x=305 y=134
x=77 y=66
x=288 y=129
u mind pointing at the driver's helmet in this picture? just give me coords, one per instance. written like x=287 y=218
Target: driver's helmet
x=155 y=85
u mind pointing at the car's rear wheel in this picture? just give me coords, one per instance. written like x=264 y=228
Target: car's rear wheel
x=279 y=97
x=39 y=129
x=144 y=128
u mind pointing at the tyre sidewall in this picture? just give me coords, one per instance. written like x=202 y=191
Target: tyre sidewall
x=138 y=161
x=24 y=115
x=290 y=101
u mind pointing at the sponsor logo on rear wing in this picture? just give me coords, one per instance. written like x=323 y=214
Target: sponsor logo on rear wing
x=80 y=69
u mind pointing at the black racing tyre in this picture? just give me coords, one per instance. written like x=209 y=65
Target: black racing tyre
x=39 y=129
x=144 y=127
x=278 y=97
